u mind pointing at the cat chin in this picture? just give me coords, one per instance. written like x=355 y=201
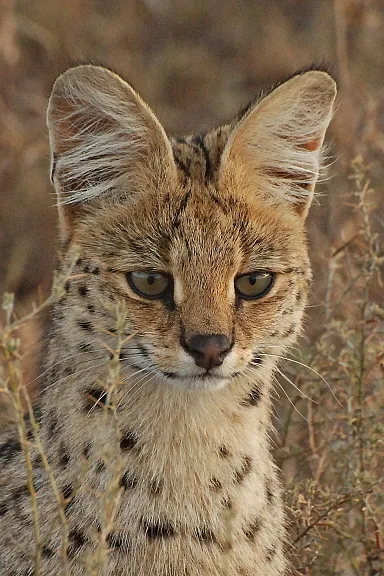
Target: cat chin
x=195 y=383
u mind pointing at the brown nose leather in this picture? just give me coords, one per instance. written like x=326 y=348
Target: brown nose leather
x=209 y=350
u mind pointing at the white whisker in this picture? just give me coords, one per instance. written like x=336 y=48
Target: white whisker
x=290 y=401
x=296 y=387
x=305 y=366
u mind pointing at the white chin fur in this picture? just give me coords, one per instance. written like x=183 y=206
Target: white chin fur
x=196 y=383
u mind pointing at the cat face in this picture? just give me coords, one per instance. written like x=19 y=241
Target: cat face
x=189 y=266
x=203 y=237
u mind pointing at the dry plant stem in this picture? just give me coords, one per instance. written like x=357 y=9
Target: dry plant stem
x=363 y=189
x=14 y=384
x=339 y=502
x=61 y=502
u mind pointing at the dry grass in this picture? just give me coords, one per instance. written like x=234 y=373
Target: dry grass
x=197 y=63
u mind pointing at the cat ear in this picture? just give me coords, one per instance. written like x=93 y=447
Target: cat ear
x=277 y=144
x=104 y=139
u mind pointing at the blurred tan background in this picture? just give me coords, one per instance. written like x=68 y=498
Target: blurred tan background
x=197 y=63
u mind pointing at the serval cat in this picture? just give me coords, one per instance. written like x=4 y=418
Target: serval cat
x=189 y=260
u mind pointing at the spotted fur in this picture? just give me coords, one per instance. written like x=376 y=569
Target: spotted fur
x=187 y=450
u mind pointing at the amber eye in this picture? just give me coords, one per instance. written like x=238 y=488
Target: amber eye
x=254 y=285
x=149 y=284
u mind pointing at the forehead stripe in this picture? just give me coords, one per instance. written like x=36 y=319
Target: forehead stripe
x=182 y=207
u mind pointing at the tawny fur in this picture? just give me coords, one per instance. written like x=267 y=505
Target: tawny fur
x=199 y=492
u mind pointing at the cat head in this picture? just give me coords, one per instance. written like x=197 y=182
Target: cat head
x=203 y=237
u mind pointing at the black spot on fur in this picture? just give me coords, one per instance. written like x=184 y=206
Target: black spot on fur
x=253 y=397
x=86 y=269
x=9 y=450
x=257 y=360
x=253 y=529
x=85 y=325
x=53 y=373
x=95 y=398
x=128 y=480
x=224 y=452
x=37 y=413
x=215 y=484
x=100 y=466
x=3 y=508
x=64 y=456
x=77 y=540
x=156 y=486
x=84 y=347
x=86 y=450
x=290 y=331
x=66 y=493
x=128 y=441
x=119 y=541
x=245 y=469
x=96 y=271
x=204 y=534
x=37 y=461
x=269 y=493
x=47 y=552
x=287 y=311
x=90 y=308
x=20 y=493
x=271 y=553
x=227 y=503
x=83 y=290
x=158 y=529
x=169 y=374
x=67 y=286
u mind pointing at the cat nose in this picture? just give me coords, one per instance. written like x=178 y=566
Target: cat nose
x=209 y=350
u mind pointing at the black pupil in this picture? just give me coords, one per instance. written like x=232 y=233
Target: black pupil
x=151 y=280
x=252 y=280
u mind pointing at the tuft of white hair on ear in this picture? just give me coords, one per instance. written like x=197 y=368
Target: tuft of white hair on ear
x=103 y=136
x=278 y=142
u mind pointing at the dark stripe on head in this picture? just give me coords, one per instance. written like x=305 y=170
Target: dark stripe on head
x=181 y=209
x=199 y=141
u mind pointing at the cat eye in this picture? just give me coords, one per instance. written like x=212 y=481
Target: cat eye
x=255 y=285
x=149 y=284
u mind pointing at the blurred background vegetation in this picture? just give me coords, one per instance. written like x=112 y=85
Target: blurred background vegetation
x=197 y=63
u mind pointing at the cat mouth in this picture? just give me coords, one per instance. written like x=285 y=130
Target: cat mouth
x=208 y=380
x=204 y=376
x=205 y=381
